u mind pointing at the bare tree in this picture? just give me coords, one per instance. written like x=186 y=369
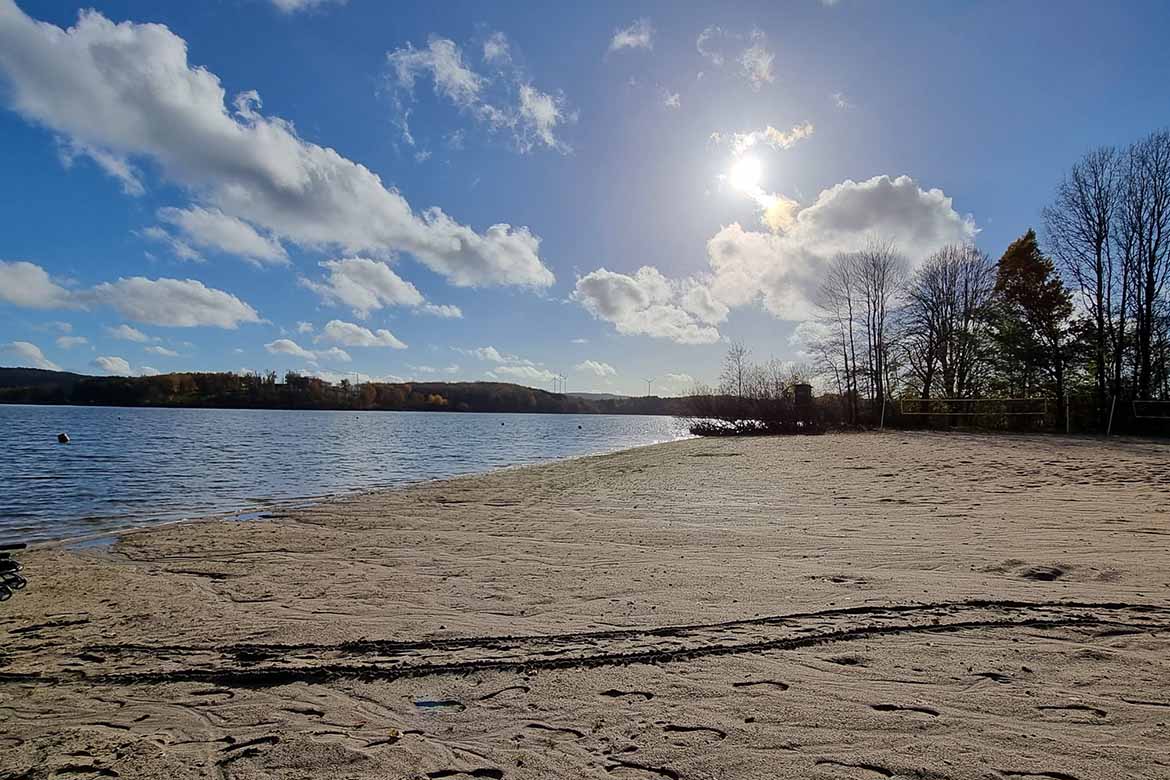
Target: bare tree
x=837 y=298
x=1078 y=227
x=1145 y=228
x=947 y=299
x=735 y=377
x=881 y=276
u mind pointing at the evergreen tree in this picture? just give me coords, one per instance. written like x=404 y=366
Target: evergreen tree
x=1032 y=319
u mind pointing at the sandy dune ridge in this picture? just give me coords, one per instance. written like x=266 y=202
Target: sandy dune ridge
x=853 y=606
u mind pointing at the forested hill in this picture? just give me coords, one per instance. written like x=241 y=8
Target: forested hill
x=296 y=391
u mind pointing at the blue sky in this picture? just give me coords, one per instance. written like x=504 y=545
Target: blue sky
x=515 y=190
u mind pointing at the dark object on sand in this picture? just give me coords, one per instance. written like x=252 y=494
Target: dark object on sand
x=62 y=438
x=10 y=578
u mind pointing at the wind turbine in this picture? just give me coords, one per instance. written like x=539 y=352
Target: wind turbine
x=648 y=381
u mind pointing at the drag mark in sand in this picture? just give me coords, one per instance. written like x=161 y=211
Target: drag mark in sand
x=263 y=666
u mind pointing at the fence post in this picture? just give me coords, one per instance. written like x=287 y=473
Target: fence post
x=882 y=425
x=1067 y=416
x=1109 y=430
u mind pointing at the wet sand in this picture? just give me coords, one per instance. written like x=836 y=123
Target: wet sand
x=846 y=606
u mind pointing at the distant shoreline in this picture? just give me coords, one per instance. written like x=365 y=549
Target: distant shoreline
x=303 y=409
x=227 y=390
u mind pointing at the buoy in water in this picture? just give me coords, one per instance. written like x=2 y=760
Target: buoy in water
x=62 y=438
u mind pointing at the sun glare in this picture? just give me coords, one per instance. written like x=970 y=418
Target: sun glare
x=745 y=174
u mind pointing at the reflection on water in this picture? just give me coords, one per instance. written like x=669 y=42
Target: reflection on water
x=129 y=467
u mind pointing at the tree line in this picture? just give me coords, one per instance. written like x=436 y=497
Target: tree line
x=1085 y=312
x=300 y=391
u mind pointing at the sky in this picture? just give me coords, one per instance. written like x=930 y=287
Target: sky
x=608 y=192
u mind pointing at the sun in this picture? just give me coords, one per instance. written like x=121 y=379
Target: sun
x=745 y=174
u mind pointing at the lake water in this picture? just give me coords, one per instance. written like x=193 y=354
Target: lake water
x=133 y=467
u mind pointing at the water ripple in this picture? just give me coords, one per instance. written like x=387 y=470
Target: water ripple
x=133 y=467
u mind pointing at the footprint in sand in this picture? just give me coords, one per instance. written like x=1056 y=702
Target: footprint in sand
x=613 y=693
x=555 y=729
x=904 y=708
x=1074 y=709
x=439 y=705
x=874 y=768
x=848 y=660
x=780 y=686
x=661 y=771
x=708 y=732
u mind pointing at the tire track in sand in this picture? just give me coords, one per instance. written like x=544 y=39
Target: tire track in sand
x=267 y=665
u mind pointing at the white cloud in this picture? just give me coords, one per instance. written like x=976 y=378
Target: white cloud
x=709 y=45
x=670 y=99
x=639 y=35
x=28 y=285
x=112 y=365
x=445 y=311
x=69 y=342
x=783 y=270
x=304 y=327
x=162 y=351
x=496 y=49
x=335 y=377
x=646 y=303
x=526 y=373
x=180 y=248
x=841 y=101
x=808 y=337
x=489 y=353
x=675 y=384
x=148 y=371
x=493 y=355
x=290 y=347
x=212 y=229
x=172 y=302
x=451 y=369
x=580 y=341
x=756 y=61
x=364 y=285
x=179 y=303
x=29 y=355
x=293 y=6
x=505 y=365
x=504 y=100
x=113 y=166
x=127 y=91
x=350 y=335
x=334 y=353
x=596 y=367
x=777 y=139
x=540 y=113
x=443 y=60
x=779 y=270
x=127 y=333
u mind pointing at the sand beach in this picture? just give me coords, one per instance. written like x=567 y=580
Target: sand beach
x=866 y=606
